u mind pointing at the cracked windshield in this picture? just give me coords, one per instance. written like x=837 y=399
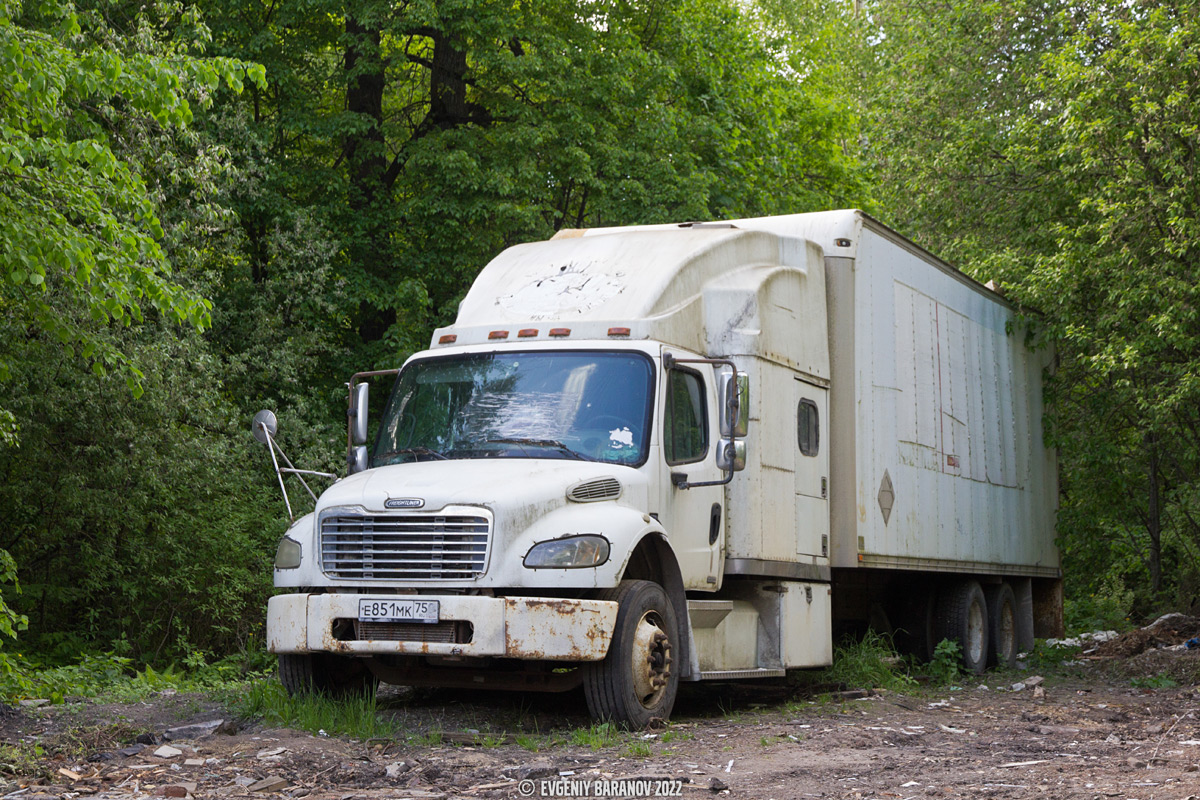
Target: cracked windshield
x=566 y=405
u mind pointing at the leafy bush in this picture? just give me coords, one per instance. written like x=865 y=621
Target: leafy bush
x=869 y=662
x=944 y=667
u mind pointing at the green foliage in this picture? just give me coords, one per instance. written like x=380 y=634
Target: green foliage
x=112 y=677
x=1104 y=610
x=357 y=716
x=866 y=662
x=79 y=227
x=597 y=736
x=1154 y=682
x=944 y=667
x=1049 y=147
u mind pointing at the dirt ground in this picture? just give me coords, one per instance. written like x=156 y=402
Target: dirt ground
x=1123 y=721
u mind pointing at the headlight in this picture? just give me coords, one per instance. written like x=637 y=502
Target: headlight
x=287 y=556
x=572 y=552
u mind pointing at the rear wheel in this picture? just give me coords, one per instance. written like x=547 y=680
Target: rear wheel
x=325 y=673
x=637 y=681
x=962 y=617
x=1002 y=625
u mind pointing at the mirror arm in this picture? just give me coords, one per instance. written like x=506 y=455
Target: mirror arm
x=669 y=361
x=680 y=481
x=271 y=446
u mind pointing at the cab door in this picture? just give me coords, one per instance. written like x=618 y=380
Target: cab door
x=689 y=432
x=811 y=447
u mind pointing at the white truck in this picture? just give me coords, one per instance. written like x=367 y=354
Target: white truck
x=685 y=452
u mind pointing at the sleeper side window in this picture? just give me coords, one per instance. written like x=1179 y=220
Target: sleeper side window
x=685 y=433
x=807 y=428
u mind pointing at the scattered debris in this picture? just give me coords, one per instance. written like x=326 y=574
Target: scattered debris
x=166 y=751
x=270 y=784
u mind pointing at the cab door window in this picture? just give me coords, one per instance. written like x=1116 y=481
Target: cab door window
x=685 y=431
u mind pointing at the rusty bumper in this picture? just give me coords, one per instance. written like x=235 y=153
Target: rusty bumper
x=529 y=628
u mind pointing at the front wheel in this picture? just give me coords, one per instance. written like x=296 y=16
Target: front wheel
x=637 y=681
x=325 y=673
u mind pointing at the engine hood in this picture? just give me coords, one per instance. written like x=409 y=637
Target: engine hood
x=493 y=483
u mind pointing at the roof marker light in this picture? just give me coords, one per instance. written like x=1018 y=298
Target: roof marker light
x=560 y=331
x=525 y=333
x=447 y=338
x=618 y=331
x=498 y=335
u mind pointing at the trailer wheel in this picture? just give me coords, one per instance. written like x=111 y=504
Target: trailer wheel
x=1002 y=625
x=325 y=673
x=636 y=681
x=963 y=618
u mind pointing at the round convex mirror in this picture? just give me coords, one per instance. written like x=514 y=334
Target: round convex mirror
x=264 y=419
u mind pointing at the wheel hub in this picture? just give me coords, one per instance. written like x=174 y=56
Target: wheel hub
x=651 y=660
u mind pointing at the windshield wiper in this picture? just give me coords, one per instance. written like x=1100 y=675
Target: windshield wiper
x=543 y=443
x=415 y=451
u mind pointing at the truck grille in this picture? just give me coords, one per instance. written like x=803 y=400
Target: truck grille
x=404 y=546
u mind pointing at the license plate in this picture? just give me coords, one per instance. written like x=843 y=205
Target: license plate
x=397 y=610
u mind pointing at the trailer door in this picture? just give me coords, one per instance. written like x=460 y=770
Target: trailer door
x=812 y=469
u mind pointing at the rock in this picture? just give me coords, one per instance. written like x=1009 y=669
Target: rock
x=193 y=762
x=243 y=780
x=396 y=769
x=173 y=791
x=102 y=756
x=1034 y=680
x=1039 y=693
x=272 y=753
x=272 y=783
x=34 y=703
x=717 y=785
x=166 y=751
x=532 y=771
x=1018 y=687
x=194 y=730
x=146 y=738
x=1136 y=763
x=132 y=750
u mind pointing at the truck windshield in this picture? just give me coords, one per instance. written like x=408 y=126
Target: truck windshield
x=566 y=405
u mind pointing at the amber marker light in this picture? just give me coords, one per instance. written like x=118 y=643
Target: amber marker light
x=498 y=335
x=560 y=331
x=525 y=333
x=448 y=338
x=618 y=331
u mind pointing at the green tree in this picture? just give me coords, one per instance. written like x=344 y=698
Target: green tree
x=79 y=226
x=1052 y=148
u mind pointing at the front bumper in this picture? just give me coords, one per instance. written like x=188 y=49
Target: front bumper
x=528 y=628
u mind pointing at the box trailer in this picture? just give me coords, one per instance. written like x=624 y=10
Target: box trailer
x=683 y=452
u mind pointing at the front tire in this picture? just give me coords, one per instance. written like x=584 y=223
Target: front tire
x=325 y=673
x=638 y=680
x=963 y=618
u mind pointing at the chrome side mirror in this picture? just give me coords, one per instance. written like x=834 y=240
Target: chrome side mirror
x=731 y=455
x=358 y=413
x=734 y=404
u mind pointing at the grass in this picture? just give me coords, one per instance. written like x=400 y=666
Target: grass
x=356 y=717
x=599 y=735
x=869 y=662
